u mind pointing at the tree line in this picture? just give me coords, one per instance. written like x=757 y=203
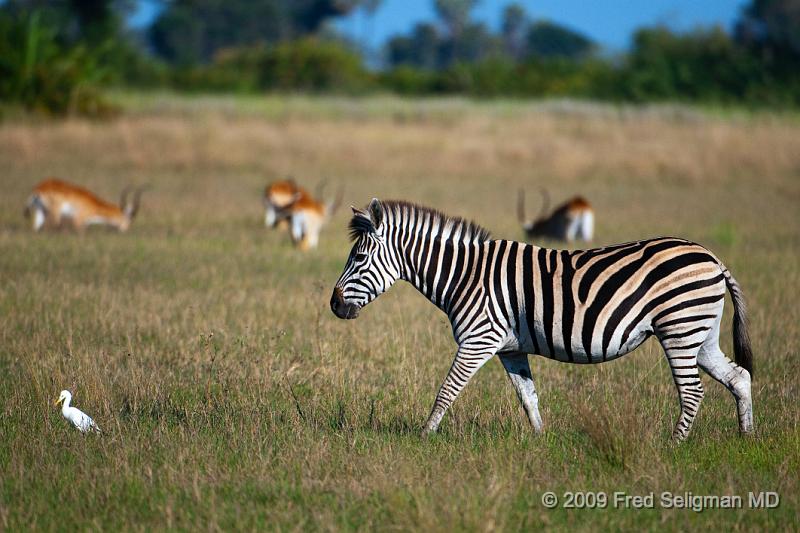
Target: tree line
x=58 y=57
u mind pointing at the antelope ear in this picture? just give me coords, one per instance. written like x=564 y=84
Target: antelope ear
x=375 y=210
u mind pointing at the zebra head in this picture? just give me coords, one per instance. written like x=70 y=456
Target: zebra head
x=371 y=268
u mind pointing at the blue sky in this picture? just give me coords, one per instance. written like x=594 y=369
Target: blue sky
x=608 y=22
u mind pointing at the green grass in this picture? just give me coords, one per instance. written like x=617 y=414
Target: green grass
x=230 y=397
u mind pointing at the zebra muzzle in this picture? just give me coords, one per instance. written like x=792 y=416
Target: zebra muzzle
x=341 y=308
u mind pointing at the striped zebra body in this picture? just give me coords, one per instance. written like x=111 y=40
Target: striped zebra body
x=511 y=299
x=570 y=306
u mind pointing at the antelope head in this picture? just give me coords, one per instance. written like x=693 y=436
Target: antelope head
x=129 y=202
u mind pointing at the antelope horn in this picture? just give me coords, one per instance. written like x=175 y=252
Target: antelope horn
x=318 y=192
x=337 y=201
x=137 y=195
x=545 y=202
x=123 y=199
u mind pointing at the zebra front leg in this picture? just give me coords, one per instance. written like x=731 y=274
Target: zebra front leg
x=466 y=363
x=519 y=372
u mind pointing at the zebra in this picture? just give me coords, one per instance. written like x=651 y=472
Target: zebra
x=512 y=299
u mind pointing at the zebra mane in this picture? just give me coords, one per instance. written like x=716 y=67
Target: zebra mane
x=359 y=225
x=397 y=211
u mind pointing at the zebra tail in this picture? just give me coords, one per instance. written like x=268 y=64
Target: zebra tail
x=741 y=338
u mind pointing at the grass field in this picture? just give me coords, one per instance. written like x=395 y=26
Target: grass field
x=231 y=397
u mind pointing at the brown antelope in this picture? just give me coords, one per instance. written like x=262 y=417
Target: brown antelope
x=278 y=197
x=285 y=202
x=572 y=220
x=54 y=201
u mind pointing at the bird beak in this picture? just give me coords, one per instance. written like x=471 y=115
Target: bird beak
x=57 y=401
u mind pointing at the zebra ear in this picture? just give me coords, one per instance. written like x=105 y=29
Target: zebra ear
x=375 y=210
x=361 y=213
x=360 y=224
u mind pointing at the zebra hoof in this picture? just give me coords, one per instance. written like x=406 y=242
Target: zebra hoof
x=428 y=433
x=678 y=438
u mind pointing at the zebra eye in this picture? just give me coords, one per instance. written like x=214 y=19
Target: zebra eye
x=361 y=257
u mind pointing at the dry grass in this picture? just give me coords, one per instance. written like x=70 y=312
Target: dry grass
x=229 y=395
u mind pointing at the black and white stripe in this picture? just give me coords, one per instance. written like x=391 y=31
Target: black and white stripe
x=511 y=299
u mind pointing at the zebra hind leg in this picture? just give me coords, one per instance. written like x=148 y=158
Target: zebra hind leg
x=519 y=372
x=465 y=365
x=683 y=364
x=735 y=378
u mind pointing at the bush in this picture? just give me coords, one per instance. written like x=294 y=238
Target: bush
x=502 y=77
x=313 y=65
x=304 y=65
x=45 y=76
x=564 y=77
x=492 y=77
x=701 y=66
x=410 y=81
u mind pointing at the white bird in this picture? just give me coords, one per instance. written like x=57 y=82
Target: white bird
x=79 y=419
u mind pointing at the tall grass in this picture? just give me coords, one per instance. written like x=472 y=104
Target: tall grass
x=230 y=397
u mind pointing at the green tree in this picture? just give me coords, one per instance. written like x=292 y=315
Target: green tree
x=547 y=39
x=514 y=28
x=464 y=41
x=772 y=25
x=474 y=43
x=191 y=31
x=454 y=14
x=41 y=72
x=420 y=49
x=701 y=65
x=89 y=21
x=307 y=16
x=307 y=64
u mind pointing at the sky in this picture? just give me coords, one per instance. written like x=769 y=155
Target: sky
x=610 y=23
